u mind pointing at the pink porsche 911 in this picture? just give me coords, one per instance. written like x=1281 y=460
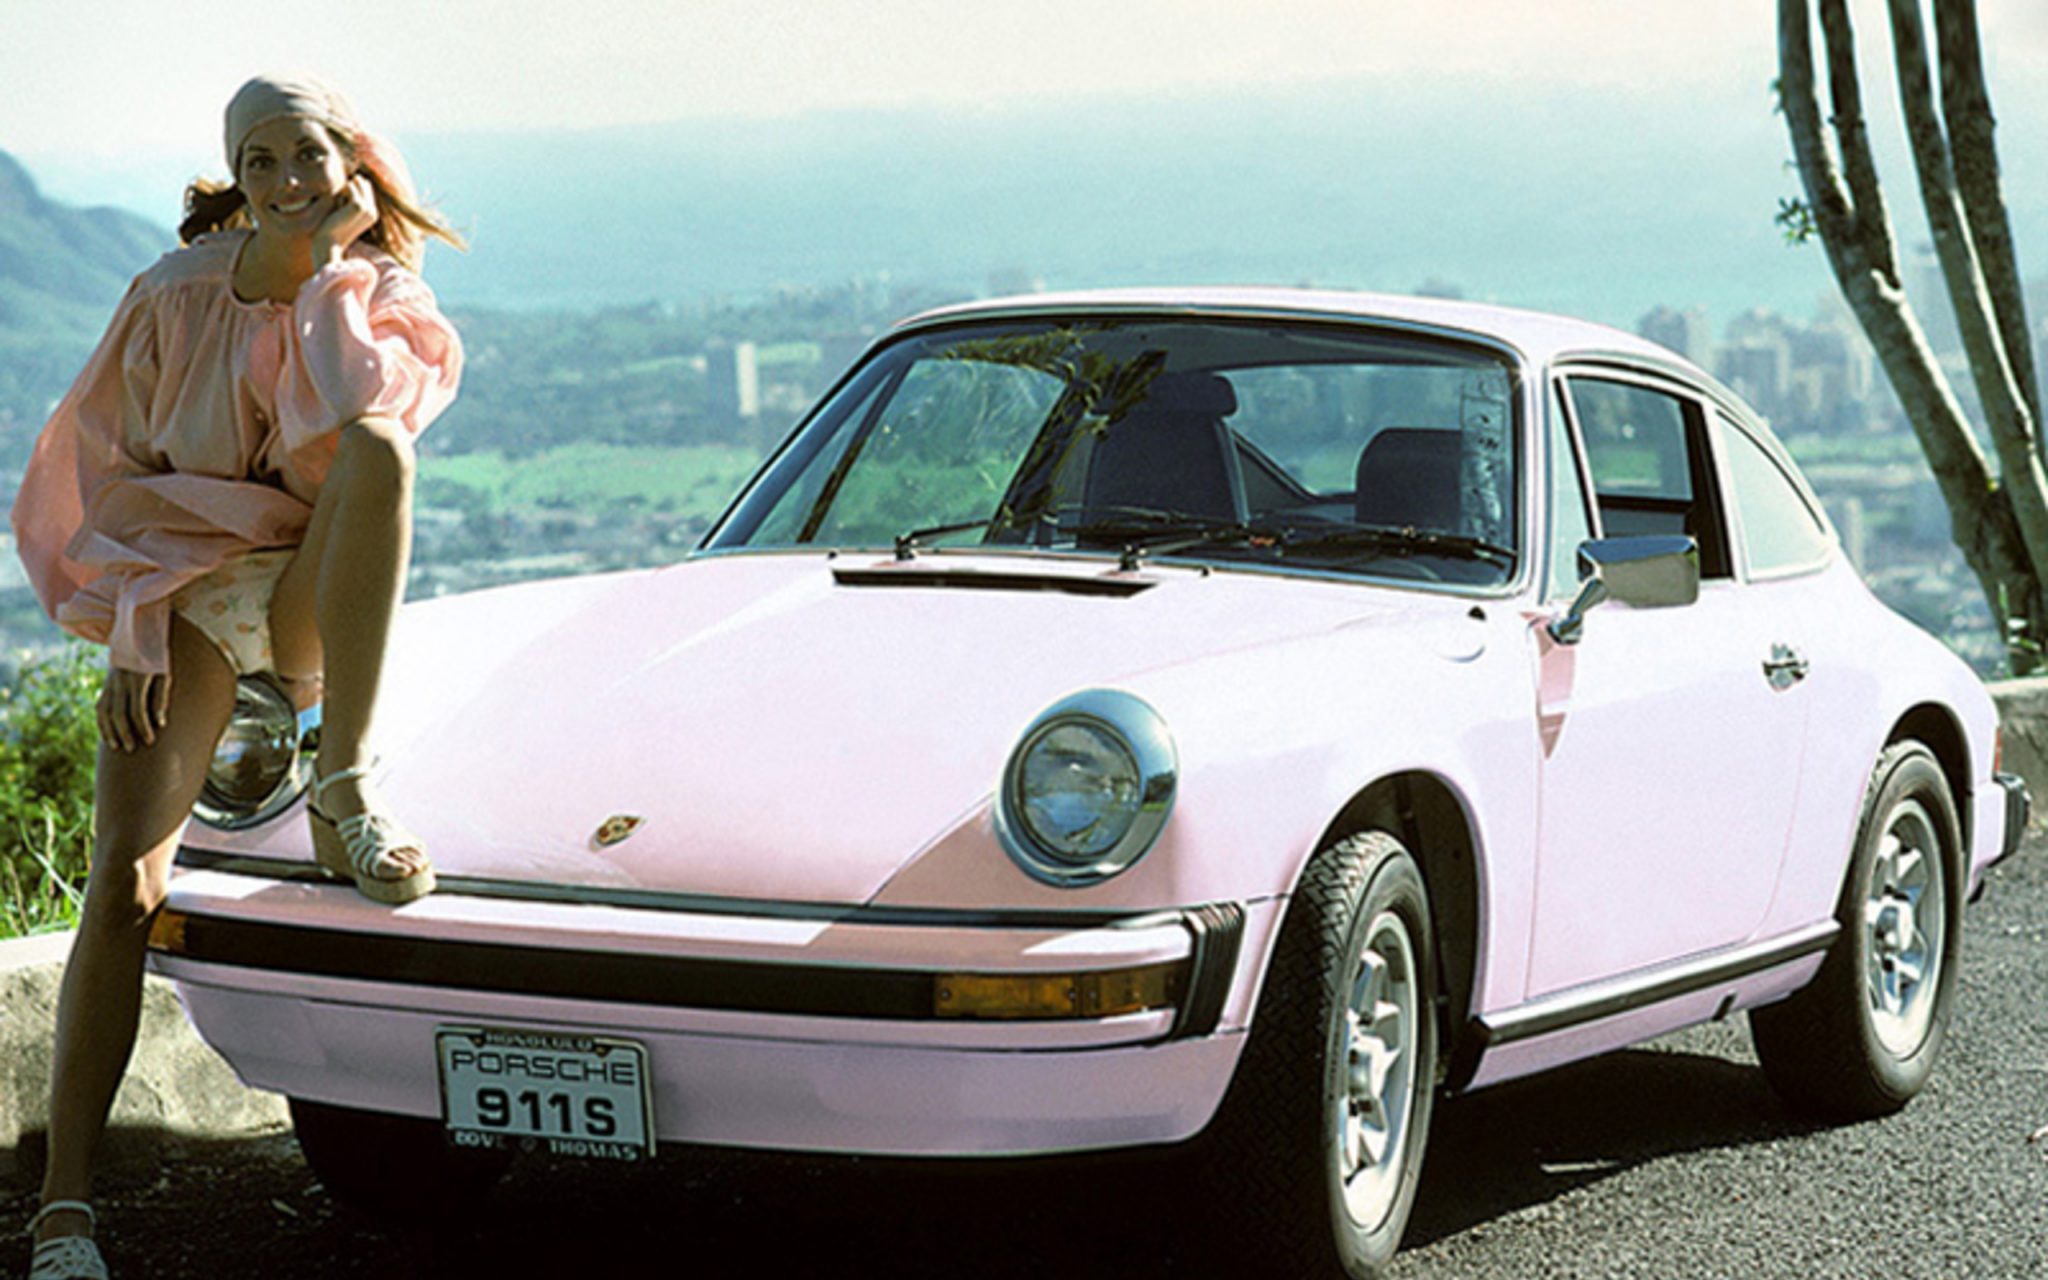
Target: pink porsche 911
x=1223 y=721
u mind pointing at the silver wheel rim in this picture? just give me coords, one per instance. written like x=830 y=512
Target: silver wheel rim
x=1905 y=914
x=1373 y=1071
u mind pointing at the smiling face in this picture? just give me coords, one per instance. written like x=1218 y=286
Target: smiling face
x=291 y=168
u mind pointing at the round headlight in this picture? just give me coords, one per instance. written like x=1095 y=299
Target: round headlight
x=1087 y=789
x=263 y=758
x=1077 y=787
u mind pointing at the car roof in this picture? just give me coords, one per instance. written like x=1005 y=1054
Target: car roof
x=1539 y=336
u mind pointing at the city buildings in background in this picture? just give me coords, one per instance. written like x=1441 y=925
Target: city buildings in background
x=737 y=377
x=1818 y=383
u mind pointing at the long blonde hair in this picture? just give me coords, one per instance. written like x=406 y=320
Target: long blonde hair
x=401 y=230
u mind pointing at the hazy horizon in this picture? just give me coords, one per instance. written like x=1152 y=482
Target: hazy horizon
x=1598 y=157
x=1521 y=200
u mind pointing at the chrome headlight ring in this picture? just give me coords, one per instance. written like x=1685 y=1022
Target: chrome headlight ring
x=1088 y=788
x=264 y=759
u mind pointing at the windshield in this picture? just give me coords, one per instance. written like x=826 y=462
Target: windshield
x=1236 y=442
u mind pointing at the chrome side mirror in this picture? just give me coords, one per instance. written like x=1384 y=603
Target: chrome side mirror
x=1651 y=572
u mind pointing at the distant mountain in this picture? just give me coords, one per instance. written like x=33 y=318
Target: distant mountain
x=61 y=268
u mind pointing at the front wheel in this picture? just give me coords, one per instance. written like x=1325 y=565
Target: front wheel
x=1860 y=1040
x=1313 y=1159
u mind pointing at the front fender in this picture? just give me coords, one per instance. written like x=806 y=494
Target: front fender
x=1275 y=743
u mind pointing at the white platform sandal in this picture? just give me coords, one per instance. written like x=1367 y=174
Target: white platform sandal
x=66 y=1257
x=351 y=847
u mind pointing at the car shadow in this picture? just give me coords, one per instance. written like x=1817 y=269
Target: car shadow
x=252 y=1207
x=1520 y=1144
x=1493 y=1153
x=825 y=1217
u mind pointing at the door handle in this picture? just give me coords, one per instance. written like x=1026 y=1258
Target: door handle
x=1785 y=667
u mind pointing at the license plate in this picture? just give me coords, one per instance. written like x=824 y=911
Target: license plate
x=561 y=1092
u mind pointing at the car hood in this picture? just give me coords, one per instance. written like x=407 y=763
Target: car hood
x=788 y=727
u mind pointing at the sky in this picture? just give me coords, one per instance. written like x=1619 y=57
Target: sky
x=98 y=80
x=118 y=101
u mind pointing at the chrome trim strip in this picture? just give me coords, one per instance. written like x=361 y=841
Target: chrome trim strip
x=1696 y=379
x=1626 y=994
x=1679 y=377
x=292 y=871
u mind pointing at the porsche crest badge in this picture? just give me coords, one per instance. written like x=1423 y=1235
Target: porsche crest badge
x=616 y=828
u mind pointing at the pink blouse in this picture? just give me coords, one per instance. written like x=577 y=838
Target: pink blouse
x=203 y=426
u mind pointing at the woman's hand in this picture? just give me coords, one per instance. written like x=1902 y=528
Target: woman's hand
x=354 y=212
x=133 y=706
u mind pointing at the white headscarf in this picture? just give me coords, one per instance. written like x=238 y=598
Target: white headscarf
x=273 y=97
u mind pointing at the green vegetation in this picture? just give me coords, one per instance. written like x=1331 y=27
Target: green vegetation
x=686 y=480
x=1861 y=450
x=47 y=746
x=627 y=376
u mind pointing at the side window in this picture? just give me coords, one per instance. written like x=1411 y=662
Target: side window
x=1647 y=450
x=1569 y=525
x=1780 y=533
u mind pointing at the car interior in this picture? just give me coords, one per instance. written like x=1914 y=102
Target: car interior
x=1652 y=472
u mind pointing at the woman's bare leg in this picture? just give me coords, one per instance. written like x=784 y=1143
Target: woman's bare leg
x=331 y=612
x=140 y=802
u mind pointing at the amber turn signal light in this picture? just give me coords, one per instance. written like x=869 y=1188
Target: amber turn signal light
x=1057 y=995
x=167 y=931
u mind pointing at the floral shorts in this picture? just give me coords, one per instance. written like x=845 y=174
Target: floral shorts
x=231 y=607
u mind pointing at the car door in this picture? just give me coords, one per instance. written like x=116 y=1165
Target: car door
x=1670 y=752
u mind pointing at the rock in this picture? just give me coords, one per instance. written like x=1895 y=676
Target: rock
x=2023 y=714
x=176 y=1089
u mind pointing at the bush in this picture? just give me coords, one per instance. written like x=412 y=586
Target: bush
x=48 y=740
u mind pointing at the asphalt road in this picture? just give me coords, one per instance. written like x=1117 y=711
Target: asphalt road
x=1673 y=1160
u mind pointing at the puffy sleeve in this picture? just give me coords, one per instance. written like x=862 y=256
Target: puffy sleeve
x=85 y=576
x=366 y=338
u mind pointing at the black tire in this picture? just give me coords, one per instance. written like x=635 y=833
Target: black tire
x=391 y=1166
x=1270 y=1161
x=1828 y=1050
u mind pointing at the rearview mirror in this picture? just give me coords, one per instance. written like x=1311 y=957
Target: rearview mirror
x=1652 y=572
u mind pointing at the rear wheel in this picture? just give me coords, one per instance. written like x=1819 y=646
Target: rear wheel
x=390 y=1166
x=1312 y=1162
x=1860 y=1040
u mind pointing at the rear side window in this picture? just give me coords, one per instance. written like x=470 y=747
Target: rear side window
x=1780 y=532
x=1647 y=450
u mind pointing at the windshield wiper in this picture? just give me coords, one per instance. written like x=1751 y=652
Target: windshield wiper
x=1402 y=539
x=1139 y=529
x=1147 y=531
x=908 y=543
x=1157 y=531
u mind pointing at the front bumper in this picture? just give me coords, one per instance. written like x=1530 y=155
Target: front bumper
x=815 y=1034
